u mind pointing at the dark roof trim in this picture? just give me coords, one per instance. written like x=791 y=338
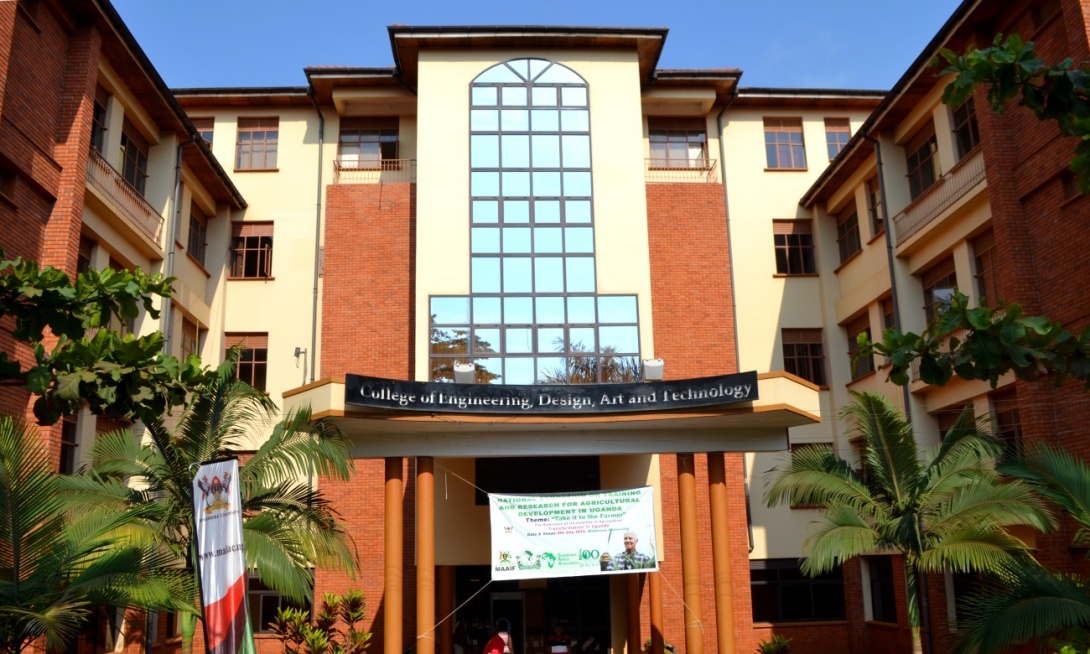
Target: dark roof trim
x=918 y=65
x=753 y=91
x=348 y=71
x=502 y=30
x=242 y=90
x=130 y=42
x=698 y=74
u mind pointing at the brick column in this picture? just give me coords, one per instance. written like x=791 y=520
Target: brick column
x=690 y=553
x=654 y=590
x=425 y=555
x=394 y=533
x=724 y=594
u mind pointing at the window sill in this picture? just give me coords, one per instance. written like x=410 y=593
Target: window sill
x=257 y=170
x=801 y=623
x=250 y=279
x=198 y=264
x=8 y=200
x=786 y=170
x=851 y=257
x=796 y=274
x=876 y=237
x=33 y=20
x=862 y=377
x=883 y=624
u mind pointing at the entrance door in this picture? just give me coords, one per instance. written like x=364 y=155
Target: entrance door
x=512 y=607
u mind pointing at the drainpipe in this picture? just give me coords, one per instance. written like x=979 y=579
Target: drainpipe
x=317 y=235
x=173 y=218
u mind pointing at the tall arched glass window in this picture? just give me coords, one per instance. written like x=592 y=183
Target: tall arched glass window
x=533 y=315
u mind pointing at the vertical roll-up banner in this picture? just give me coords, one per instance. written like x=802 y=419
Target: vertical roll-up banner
x=221 y=558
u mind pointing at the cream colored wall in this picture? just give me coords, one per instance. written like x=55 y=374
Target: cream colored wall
x=620 y=216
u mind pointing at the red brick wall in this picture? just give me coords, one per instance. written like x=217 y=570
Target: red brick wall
x=368 y=296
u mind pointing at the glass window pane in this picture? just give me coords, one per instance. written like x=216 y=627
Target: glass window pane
x=546 y=184
x=548 y=240
x=574 y=121
x=576 y=151
x=550 y=310
x=624 y=340
x=486 y=310
x=516 y=240
x=484 y=240
x=582 y=338
x=519 y=339
x=577 y=211
x=485 y=211
x=484 y=184
x=559 y=74
x=516 y=275
x=579 y=239
x=516 y=211
x=484 y=95
x=515 y=120
x=519 y=370
x=552 y=370
x=484 y=151
x=485 y=272
x=516 y=151
x=573 y=96
x=551 y=339
x=548 y=276
x=514 y=96
x=581 y=309
x=521 y=66
x=518 y=310
x=617 y=308
x=547 y=211
x=546 y=151
x=450 y=310
x=486 y=340
x=536 y=66
x=580 y=274
x=544 y=96
x=484 y=120
x=489 y=371
x=545 y=120
x=497 y=74
x=576 y=184
x=516 y=184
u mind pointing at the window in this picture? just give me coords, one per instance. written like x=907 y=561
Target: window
x=889 y=316
x=967 y=584
x=921 y=162
x=939 y=283
x=861 y=366
x=874 y=206
x=882 y=595
x=253 y=357
x=198 y=234
x=69 y=462
x=83 y=259
x=781 y=593
x=1007 y=426
x=804 y=354
x=678 y=143
x=251 y=250
x=965 y=130
x=784 y=148
x=794 y=247
x=98 y=120
x=986 y=272
x=190 y=340
x=837 y=133
x=263 y=603
x=368 y=142
x=205 y=127
x=134 y=158
x=946 y=418
x=847 y=234
x=257 y=140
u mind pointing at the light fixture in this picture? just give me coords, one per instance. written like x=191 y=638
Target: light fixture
x=652 y=369
x=465 y=373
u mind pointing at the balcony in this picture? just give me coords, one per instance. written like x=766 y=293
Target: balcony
x=672 y=171
x=941 y=195
x=130 y=205
x=385 y=171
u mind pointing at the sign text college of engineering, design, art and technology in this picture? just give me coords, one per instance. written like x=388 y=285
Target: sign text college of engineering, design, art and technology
x=438 y=397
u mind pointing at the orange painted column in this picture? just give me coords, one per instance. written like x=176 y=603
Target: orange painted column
x=690 y=552
x=724 y=598
x=444 y=605
x=632 y=597
x=654 y=589
x=425 y=555
x=393 y=558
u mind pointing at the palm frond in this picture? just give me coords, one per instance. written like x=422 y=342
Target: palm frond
x=890 y=455
x=814 y=475
x=299 y=447
x=837 y=536
x=1059 y=476
x=973 y=550
x=986 y=504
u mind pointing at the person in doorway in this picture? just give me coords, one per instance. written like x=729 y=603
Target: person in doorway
x=630 y=559
x=500 y=643
x=559 y=642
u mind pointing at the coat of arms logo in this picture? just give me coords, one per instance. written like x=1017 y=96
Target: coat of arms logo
x=214 y=494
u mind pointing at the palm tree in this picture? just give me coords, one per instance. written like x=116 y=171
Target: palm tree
x=288 y=525
x=58 y=566
x=1035 y=602
x=949 y=512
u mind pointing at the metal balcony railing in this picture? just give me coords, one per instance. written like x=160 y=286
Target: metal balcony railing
x=666 y=171
x=129 y=203
x=385 y=171
x=941 y=195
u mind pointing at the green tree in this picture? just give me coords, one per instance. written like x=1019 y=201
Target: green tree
x=58 y=564
x=288 y=525
x=124 y=377
x=949 y=512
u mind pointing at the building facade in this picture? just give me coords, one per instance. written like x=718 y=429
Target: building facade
x=548 y=207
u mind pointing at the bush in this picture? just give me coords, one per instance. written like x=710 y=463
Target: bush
x=777 y=645
x=298 y=634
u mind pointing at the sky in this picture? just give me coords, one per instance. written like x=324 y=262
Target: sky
x=848 y=44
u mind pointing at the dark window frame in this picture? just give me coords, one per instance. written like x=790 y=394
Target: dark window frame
x=966 y=130
x=197 y=241
x=383 y=134
x=986 y=269
x=838 y=131
x=263 y=601
x=665 y=135
x=251 y=250
x=134 y=158
x=69 y=461
x=883 y=595
x=190 y=341
x=253 y=361
x=921 y=158
x=251 y=131
x=794 y=244
x=939 y=283
x=206 y=127
x=783 y=151
x=98 y=120
x=804 y=354
x=848 y=239
x=861 y=366
x=778 y=584
x=874 y=206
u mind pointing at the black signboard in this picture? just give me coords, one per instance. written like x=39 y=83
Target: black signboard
x=445 y=397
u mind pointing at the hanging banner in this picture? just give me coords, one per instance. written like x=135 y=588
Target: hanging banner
x=573 y=534
x=221 y=558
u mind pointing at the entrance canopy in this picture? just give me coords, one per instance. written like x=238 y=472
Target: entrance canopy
x=781 y=401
